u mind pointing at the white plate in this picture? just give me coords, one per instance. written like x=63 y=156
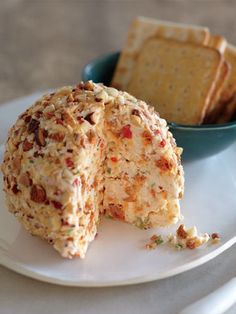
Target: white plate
x=117 y=256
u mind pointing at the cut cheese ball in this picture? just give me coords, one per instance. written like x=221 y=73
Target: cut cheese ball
x=85 y=151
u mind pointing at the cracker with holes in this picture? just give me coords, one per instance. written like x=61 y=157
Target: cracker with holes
x=177 y=78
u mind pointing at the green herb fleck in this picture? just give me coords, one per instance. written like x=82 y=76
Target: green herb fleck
x=69 y=231
x=178 y=246
x=109 y=216
x=98 y=222
x=31 y=161
x=159 y=240
x=109 y=170
x=153 y=184
x=142 y=223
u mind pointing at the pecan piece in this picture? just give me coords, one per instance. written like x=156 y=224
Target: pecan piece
x=25 y=179
x=27 y=145
x=38 y=194
x=33 y=125
x=68 y=119
x=90 y=118
x=88 y=86
x=64 y=222
x=191 y=244
x=40 y=136
x=181 y=232
x=56 y=204
x=70 y=99
x=80 y=85
x=39 y=112
x=91 y=137
x=7 y=182
x=58 y=137
x=27 y=119
x=16 y=164
x=15 y=189
x=38 y=154
x=136 y=112
x=215 y=236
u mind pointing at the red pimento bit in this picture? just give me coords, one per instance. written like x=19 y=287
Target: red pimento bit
x=116 y=212
x=76 y=182
x=157 y=132
x=114 y=159
x=64 y=222
x=59 y=121
x=163 y=164
x=102 y=145
x=80 y=119
x=69 y=162
x=49 y=115
x=58 y=192
x=162 y=143
x=56 y=204
x=126 y=132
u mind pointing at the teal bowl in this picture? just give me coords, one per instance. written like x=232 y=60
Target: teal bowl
x=197 y=141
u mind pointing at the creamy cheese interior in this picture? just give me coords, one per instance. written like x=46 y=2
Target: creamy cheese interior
x=143 y=183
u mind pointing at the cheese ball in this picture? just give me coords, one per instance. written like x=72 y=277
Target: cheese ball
x=87 y=151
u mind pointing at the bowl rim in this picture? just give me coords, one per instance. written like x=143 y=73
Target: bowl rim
x=202 y=127
x=97 y=59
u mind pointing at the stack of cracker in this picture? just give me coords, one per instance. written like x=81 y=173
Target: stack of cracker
x=187 y=73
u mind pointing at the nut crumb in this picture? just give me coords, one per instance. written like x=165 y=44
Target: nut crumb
x=154 y=241
x=40 y=136
x=187 y=238
x=181 y=232
x=27 y=145
x=215 y=238
x=38 y=194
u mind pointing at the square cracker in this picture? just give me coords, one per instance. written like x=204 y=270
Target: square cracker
x=218 y=42
x=214 y=107
x=228 y=111
x=226 y=92
x=230 y=88
x=177 y=78
x=143 y=28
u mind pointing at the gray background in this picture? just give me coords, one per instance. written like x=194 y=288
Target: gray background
x=45 y=44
